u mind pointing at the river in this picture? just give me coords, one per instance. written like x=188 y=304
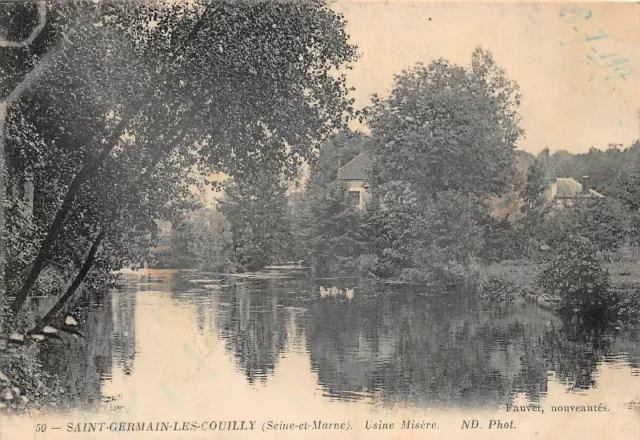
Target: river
x=282 y=344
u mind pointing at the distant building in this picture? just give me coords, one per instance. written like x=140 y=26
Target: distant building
x=562 y=191
x=565 y=191
x=354 y=175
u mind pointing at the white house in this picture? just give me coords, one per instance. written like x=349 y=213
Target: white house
x=354 y=175
x=565 y=191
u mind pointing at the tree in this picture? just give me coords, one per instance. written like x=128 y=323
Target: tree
x=442 y=145
x=389 y=218
x=448 y=239
x=327 y=228
x=232 y=82
x=448 y=127
x=603 y=222
x=204 y=238
x=11 y=93
x=336 y=235
x=630 y=197
x=533 y=191
x=257 y=214
x=434 y=241
x=573 y=273
x=534 y=207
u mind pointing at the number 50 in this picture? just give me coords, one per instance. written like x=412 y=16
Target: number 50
x=41 y=427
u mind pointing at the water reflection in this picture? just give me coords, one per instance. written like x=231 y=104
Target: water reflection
x=82 y=365
x=428 y=352
x=254 y=327
x=364 y=342
x=124 y=330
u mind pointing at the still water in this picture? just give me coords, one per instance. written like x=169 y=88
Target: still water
x=207 y=343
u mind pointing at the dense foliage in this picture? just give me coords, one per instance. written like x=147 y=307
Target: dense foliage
x=327 y=229
x=574 y=273
x=258 y=222
x=202 y=240
x=604 y=222
x=441 y=145
x=135 y=94
x=447 y=127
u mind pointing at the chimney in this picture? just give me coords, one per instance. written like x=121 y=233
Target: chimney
x=585 y=185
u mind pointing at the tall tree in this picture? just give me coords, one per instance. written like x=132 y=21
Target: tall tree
x=448 y=127
x=257 y=214
x=231 y=82
x=9 y=94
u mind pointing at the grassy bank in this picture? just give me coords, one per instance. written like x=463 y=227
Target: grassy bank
x=517 y=281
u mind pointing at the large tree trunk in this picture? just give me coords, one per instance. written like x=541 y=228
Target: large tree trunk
x=77 y=282
x=89 y=261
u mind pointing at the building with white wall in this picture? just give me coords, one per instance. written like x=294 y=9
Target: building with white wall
x=354 y=175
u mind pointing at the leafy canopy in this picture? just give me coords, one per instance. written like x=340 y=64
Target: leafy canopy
x=448 y=127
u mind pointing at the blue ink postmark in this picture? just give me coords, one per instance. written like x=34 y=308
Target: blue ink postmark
x=614 y=64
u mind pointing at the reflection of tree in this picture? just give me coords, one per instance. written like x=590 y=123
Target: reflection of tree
x=532 y=378
x=405 y=348
x=254 y=328
x=574 y=352
x=124 y=330
x=630 y=346
x=345 y=341
x=82 y=364
x=443 y=352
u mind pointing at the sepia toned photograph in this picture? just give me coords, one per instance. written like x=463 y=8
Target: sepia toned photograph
x=323 y=219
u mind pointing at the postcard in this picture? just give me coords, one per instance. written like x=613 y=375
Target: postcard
x=313 y=219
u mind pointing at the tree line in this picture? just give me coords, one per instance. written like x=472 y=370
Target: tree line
x=450 y=195
x=441 y=145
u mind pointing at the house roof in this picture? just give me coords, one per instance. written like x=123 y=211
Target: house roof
x=356 y=169
x=568 y=188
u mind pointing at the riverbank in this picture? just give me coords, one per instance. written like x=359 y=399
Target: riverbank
x=521 y=276
x=29 y=381
x=26 y=385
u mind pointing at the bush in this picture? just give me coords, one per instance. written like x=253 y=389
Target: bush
x=447 y=239
x=573 y=273
x=627 y=304
x=502 y=240
x=24 y=383
x=604 y=222
x=498 y=288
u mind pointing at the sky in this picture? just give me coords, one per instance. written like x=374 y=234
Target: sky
x=564 y=60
